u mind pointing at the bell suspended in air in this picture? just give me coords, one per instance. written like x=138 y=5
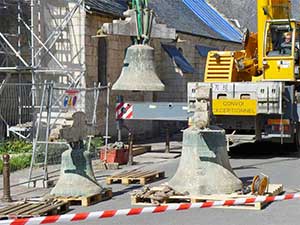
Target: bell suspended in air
x=138 y=73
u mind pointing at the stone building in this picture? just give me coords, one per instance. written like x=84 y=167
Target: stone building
x=104 y=57
x=177 y=62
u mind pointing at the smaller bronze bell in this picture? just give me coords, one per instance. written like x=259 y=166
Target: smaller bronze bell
x=76 y=176
x=138 y=73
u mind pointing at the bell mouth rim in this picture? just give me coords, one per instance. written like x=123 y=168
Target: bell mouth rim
x=138 y=89
x=140 y=45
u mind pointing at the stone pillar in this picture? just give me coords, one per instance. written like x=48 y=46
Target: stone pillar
x=6 y=179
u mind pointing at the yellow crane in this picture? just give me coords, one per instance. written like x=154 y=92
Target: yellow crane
x=263 y=58
x=255 y=91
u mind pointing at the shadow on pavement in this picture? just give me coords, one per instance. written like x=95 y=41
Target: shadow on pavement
x=263 y=151
x=126 y=190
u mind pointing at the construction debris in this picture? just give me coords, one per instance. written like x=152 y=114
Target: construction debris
x=156 y=195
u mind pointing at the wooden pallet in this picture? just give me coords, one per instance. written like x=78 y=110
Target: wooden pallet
x=274 y=189
x=136 y=176
x=87 y=200
x=27 y=209
x=139 y=149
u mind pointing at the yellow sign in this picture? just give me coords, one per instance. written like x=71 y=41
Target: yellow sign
x=235 y=107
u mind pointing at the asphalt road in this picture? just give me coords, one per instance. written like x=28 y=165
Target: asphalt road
x=282 y=168
x=247 y=161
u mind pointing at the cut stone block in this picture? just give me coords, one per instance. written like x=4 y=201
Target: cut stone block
x=203 y=92
x=201 y=106
x=200 y=119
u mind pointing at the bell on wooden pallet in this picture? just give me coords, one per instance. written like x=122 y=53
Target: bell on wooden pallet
x=76 y=175
x=138 y=73
x=204 y=166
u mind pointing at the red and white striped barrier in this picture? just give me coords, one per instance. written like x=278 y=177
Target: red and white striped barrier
x=93 y=216
x=124 y=111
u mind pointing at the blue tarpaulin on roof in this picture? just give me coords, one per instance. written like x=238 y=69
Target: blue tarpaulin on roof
x=213 y=19
x=203 y=50
x=179 y=59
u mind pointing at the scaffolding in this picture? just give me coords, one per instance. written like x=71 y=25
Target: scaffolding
x=13 y=14
x=47 y=48
x=45 y=40
x=14 y=42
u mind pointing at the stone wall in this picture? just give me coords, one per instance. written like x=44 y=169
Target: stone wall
x=170 y=74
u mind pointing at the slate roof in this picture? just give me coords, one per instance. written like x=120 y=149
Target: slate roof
x=174 y=13
x=110 y=7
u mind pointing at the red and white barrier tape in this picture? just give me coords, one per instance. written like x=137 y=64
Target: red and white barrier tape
x=86 y=217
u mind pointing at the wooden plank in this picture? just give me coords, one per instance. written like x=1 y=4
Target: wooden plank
x=144 y=178
x=35 y=209
x=150 y=174
x=142 y=174
x=9 y=209
x=139 y=150
x=19 y=209
x=124 y=173
x=60 y=208
x=27 y=210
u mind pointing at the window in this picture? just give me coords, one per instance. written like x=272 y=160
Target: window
x=102 y=61
x=178 y=58
x=203 y=50
x=297 y=47
x=279 y=40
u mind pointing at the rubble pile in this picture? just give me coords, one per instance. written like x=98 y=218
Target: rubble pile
x=157 y=195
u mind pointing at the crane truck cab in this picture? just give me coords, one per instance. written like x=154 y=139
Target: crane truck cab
x=280 y=57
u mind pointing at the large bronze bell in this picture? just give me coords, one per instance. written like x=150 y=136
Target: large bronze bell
x=138 y=73
x=204 y=166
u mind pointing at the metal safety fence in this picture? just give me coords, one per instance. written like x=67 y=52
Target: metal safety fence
x=57 y=104
x=37 y=112
x=16 y=110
